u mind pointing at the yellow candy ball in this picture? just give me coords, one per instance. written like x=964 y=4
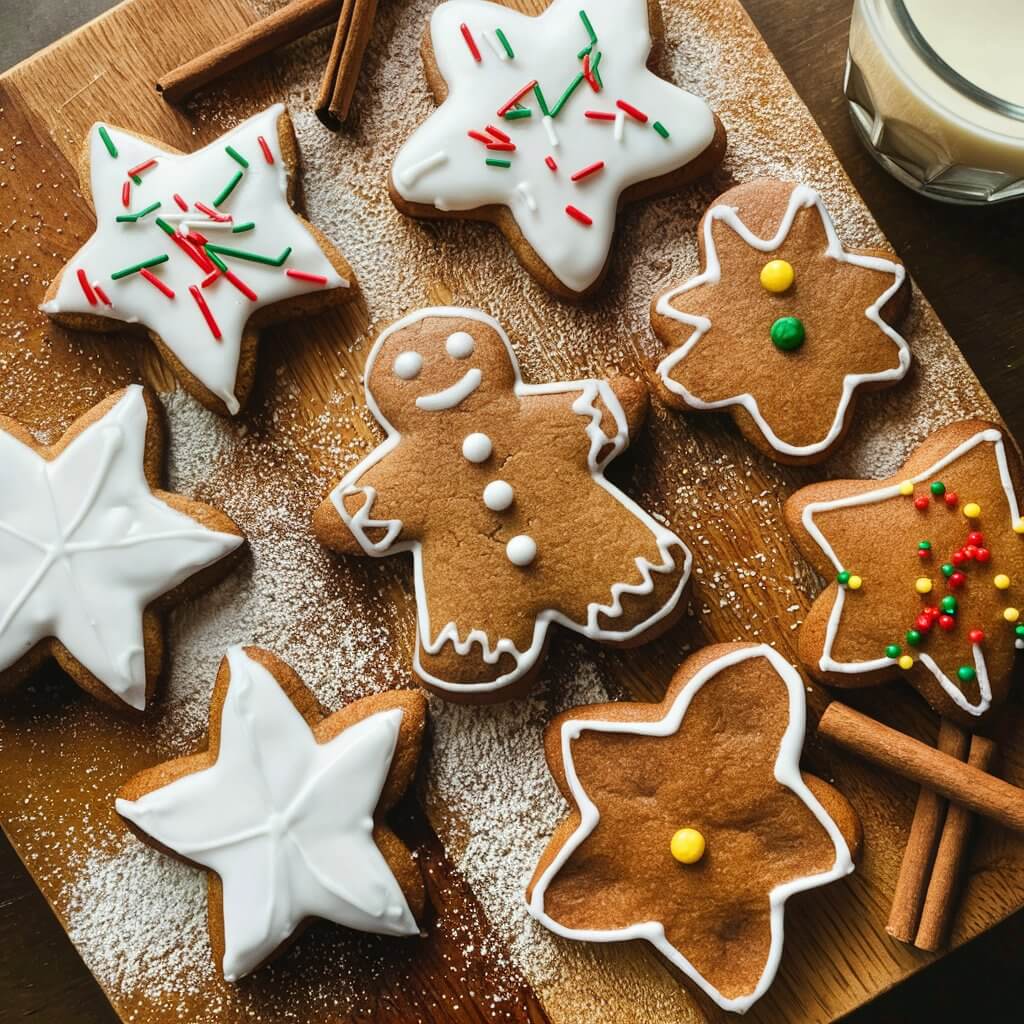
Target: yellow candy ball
x=855 y=583
x=1002 y=582
x=1011 y=614
x=777 y=276
x=923 y=585
x=687 y=846
x=972 y=510
x=1018 y=527
x=907 y=489
x=906 y=662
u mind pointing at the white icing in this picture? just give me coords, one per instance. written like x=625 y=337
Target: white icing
x=498 y=495
x=86 y=547
x=285 y=822
x=442 y=166
x=477 y=448
x=827 y=663
x=460 y=345
x=603 y=449
x=787 y=773
x=453 y=396
x=801 y=198
x=260 y=197
x=521 y=550
x=408 y=365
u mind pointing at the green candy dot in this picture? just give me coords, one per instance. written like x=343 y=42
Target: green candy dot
x=913 y=637
x=893 y=651
x=938 y=488
x=788 y=333
x=1020 y=631
x=925 y=545
x=949 y=604
x=966 y=674
x=843 y=578
x=948 y=570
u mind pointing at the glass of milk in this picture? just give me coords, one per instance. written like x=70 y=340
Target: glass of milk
x=936 y=89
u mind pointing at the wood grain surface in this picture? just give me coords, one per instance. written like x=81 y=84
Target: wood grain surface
x=53 y=741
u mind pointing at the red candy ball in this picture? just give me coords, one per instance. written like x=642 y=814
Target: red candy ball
x=975 y=538
x=977 y=636
x=923 y=623
x=957 y=580
x=947 y=622
x=971 y=551
x=959 y=557
x=921 y=503
x=983 y=555
x=950 y=499
x=923 y=553
x=932 y=612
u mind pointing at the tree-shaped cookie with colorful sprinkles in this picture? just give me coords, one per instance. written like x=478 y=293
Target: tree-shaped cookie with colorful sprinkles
x=201 y=249
x=547 y=125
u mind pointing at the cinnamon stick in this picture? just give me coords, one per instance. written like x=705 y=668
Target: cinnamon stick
x=940 y=902
x=338 y=86
x=960 y=783
x=919 y=855
x=278 y=29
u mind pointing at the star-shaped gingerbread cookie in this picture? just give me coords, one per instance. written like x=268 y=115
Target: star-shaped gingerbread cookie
x=784 y=326
x=691 y=823
x=927 y=571
x=92 y=552
x=286 y=811
x=201 y=249
x=547 y=125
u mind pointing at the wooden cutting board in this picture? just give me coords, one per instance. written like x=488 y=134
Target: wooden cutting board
x=483 y=806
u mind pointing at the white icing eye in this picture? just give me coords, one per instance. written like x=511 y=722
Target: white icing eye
x=521 y=550
x=460 y=345
x=477 y=448
x=498 y=495
x=408 y=365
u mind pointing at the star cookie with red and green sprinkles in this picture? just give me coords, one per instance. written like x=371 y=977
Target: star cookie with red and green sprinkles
x=201 y=249
x=927 y=573
x=547 y=125
x=785 y=325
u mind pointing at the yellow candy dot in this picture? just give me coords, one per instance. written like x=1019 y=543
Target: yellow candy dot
x=1018 y=527
x=906 y=489
x=906 y=662
x=687 y=846
x=777 y=276
x=855 y=583
x=923 y=585
x=1002 y=582
x=1011 y=614
x=972 y=510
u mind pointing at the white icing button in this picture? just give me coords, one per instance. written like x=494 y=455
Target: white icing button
x=477 y=448
x=408 y=365
x=521 y=550
x=460 y=345
x=498 y=495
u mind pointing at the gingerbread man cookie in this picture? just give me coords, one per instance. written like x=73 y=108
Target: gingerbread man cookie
x=286 y=811
x=547 y=125
x=927 y=573
x=92 y=552
x=691 y=822
x=201 y=249
x=784 y=326
x=497 y=489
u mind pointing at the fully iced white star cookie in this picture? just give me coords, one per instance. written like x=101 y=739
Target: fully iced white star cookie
x=547 y=125
x=89 y=547
x=201 y=249
x=285 y=808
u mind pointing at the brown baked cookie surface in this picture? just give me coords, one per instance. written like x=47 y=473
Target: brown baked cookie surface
x=497 y=489
x=286 y=811
x=547 y=126
x=691 y=823
x=927 y=574
x=784 y=326
x=199 y=249
x=92 y=552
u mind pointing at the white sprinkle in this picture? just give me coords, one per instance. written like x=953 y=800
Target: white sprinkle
x=620 y=126
x=549 y=127
x=492 y=42
x=524 y=190
x=413 y=174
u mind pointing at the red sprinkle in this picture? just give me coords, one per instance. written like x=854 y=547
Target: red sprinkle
x=470 y=42
x=144 y=166
x=599 y=115
x=90 y=295
x=198 y=236
x=205 y=310
x=211 y=213
x=267 y=155
x=156 y=282
x=126 y=193
x=196 y=255
x=579 y=215
x=502 y=147
x=550 y=161
x=241 y=286
x=479 y=136
x=638 y=115
x=515 y=99
x=102 y=295
x=588 y=171
x=498 y=134
x=588 y=74
x=207 y=281
x=182 y=205
x=301 y=275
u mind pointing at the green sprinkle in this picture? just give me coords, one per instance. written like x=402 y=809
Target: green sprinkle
x=893 y=651
x=584 y=51
x=108 y=142
x=597 y=75
x=164 y=226
x=565 y=95
x=228 y=189
x=505 y=43
x=216 y=260
x=137 y=179
x=236 y=156
x=588 y=27
x=494 y=162
x=595 y=63
x=239 y=228
x=253 y=257
x=660 y=129
x=132 y=217
x=541 y=102
x=118 y=274
x=518 y=114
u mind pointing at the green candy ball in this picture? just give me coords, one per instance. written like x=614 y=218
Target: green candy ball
x=938 y=488
x=949 y=604
x=948 y=570
x=1020 y=631
x=893 y=651
x=788 y=333
x=843 y=578
x=966 y=674
x=913 y=637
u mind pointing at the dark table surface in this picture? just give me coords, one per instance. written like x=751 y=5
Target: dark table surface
x=970 y=264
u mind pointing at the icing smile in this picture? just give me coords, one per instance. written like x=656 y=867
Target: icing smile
x=453 y=396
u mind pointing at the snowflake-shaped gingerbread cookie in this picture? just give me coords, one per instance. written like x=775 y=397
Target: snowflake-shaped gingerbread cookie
x=91 y=550
x=497 y=489
x=784 y=325
x=692 y=823
x=547 y=125
x=201 y=249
